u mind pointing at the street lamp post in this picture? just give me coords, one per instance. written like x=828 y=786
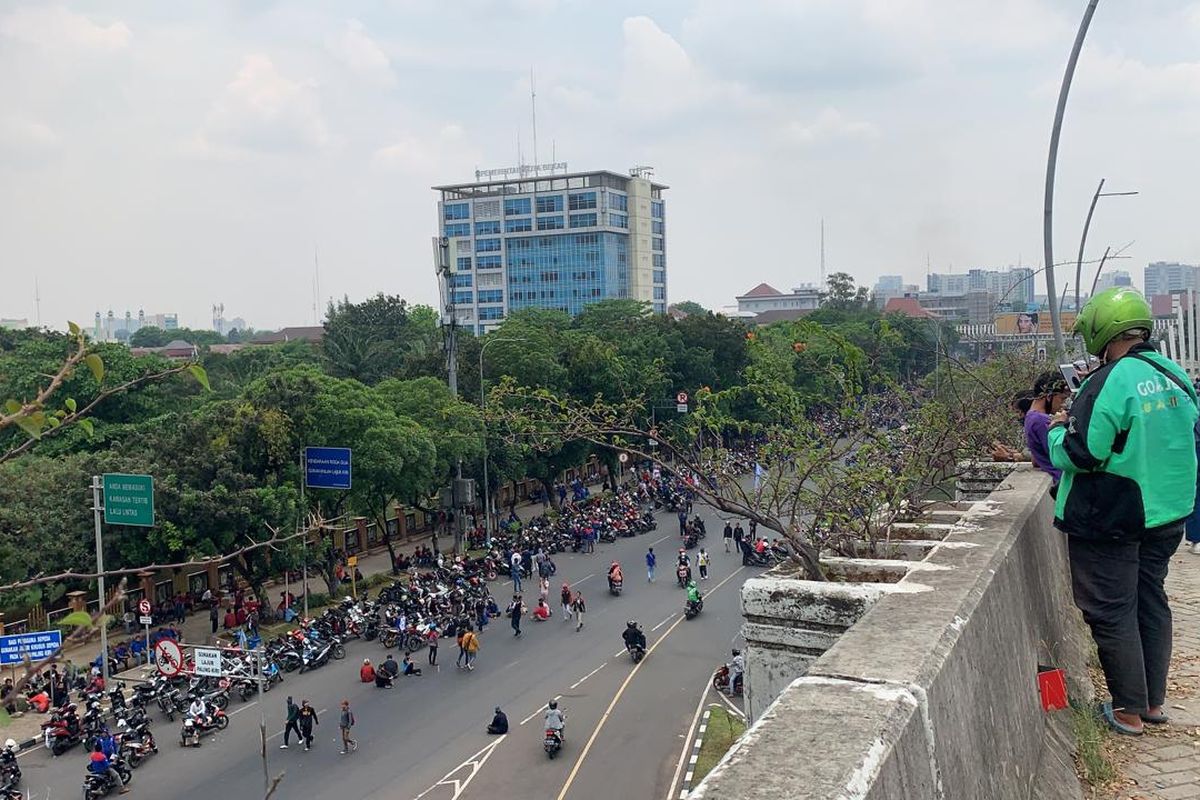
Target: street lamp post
x=1051 y=165
x=1087 y=223
x=487 y=492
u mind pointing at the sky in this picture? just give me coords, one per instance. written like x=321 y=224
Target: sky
x=169 y=156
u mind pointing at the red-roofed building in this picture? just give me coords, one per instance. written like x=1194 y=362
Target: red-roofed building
x=766 y=297
x=909 y=307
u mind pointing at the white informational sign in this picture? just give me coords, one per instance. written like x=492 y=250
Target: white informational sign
x=208 y=662
x=681 y=408
x=146 y=620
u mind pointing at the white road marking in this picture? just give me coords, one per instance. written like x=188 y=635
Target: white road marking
x=590 y=674
x=663 y=539
x=732 y=707
x=475 y=763
x=243 y=708
x=687 y=740
x=320 y=711
x=540 y=710
x=664 y=622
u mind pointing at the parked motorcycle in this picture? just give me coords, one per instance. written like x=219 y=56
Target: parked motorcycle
x=59 y=735
x=193 y=727
x=720 y=682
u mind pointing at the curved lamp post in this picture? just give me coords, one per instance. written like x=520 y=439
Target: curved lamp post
x=1087 y=223
x=1051 y=164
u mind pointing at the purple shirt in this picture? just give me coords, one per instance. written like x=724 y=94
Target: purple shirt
x=1037 y=432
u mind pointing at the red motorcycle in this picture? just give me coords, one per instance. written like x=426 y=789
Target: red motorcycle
x=720 y=682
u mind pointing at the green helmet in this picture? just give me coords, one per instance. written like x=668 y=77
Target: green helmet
x=1110 y=313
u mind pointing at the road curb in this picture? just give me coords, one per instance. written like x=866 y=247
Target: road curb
x=28 y=744
x=697 y=743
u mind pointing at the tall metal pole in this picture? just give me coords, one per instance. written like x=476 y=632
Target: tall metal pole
x=452 y=376
x=304 y=538
x=97 y=508
x=1051 y=165
x=487 y=487
x=1087 y=223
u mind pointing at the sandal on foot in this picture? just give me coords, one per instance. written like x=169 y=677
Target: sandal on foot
x=1106 y=712
x=1154 y=719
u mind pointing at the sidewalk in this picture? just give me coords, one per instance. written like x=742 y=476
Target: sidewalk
x=196 y=629
x=1164 y=764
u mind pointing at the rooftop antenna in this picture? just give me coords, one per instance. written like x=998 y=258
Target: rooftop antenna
x=37 y=300
x=822 y=251
x=533 y=110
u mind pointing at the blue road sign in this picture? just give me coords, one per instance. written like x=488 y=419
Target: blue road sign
x=327 y=467
x=37 y=645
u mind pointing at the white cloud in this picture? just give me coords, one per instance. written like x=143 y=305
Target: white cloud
x=829 y=125
x=26 y=140
x=658 y=76
x=444 y=153
x=54 y=27
x=362 y=54
x=1116 y=75
x=262 y=110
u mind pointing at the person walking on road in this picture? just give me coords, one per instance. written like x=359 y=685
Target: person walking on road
x=307 y=719
x=580 y=609
x=432 y=639
x=470 y=646
x=515 y=570
x=462 y=659
x=346 y=722
x=212 y=618
x=293 y=716
x=702 y=562
x=565 y=598
x=728 y=536
x=650 y=562
x=682 y=515
x=739 y=536
x=515 y=610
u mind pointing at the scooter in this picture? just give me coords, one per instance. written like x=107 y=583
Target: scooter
x=97 y=785
x=59 y=736
x=614 y=587
x=553 y=742
x=720 y=682
x=194 y=728
x=683 y=574
x=636 y=652
x=692 y=610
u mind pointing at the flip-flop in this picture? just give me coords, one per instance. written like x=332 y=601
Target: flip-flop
x=1155 y=719
x=1106 y=711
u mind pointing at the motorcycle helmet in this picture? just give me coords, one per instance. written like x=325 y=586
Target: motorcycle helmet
x=553 y=704
x=366 y=661
x=631 y=624
x=11 y=745
x=122 y=725
x=737 y=652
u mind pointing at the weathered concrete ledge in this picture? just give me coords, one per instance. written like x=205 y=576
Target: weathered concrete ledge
x=931 y=693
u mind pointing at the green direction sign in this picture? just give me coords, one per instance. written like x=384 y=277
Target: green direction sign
x=129 y=500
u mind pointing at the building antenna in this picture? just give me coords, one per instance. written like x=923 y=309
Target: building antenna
x=37 y=300
x=533 y=111
x=822 y=252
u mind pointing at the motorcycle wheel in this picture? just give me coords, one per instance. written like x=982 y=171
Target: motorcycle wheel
x=413 y=643
x=339 y=652
x=135 y=760
x=221 y=701
x=388 y=640
x=222 y=723
x=125 y=773
x=717 y=683
x=552 y=752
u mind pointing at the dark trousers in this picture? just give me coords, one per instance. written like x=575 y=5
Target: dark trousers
x=1119 y=588
x=433 y=654
x=306 y=735
x=292 y=726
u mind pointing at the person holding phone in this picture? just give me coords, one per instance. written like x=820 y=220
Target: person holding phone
x=1050 y=394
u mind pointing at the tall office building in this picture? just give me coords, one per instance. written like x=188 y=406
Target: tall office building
x=1012 y=285
x=519 y=238
x=1164 y=277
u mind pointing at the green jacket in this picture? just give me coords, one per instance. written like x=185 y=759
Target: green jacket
x=1127 y=451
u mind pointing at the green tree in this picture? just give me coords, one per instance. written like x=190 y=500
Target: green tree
x=691 y=307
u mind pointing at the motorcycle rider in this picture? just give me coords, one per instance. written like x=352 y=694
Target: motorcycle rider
x=615 y=577
x=736 y=667
x=8 y=761
x=633 y=635
x=100 y=765
x=693 y=594
x=556 y=720
x=198 y=711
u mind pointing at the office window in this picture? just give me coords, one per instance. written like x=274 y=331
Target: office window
x=460 y=280
x=581 y=201
x=488 y=262
x=456 y=211
x=491 y=296
x=660 y=276
x=549 y=203
x=618 y=220
x=489 y=227
x=583 y=220
x=660 y=260
x=487 y=245
x=660 y=293
x=550 y=223
x=487 y=208
x=618 y=202
x=517 y=206
x=656 y=243
x=656 y=226
x=518 y=225
x=491 y=312
x=464 y=264
x=462 y=298
x=656 y=209
x=458 y=229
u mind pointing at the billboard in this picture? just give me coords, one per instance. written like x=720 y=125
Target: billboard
x=1030 y=322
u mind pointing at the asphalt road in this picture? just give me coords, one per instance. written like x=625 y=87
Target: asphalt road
x=626 y=726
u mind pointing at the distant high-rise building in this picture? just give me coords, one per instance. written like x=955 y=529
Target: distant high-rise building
x=520 y=238
x=111 y=328
x=1108 y=280
x=1012 y=286
x=1164 y=277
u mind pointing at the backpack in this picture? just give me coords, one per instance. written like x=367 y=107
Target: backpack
x=470 y=642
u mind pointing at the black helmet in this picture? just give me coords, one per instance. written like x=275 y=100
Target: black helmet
x=631 y=624
x=553 y=704
x=737 y=652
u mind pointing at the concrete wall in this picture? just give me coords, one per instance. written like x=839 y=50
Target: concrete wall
x=932 y=693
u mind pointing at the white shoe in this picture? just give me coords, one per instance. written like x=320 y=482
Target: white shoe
x=283 y=747
x=1195 y=549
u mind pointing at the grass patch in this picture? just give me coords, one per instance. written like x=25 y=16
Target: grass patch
x=1091 y=746
x=723 y=730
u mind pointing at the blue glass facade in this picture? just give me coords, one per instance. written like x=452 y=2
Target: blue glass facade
x=566 y=271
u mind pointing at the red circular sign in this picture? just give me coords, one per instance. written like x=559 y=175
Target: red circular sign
x=168 y=657
x=144 y=606
x=681 y=398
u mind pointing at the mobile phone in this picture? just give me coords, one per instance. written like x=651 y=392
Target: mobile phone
x=1071 y=376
